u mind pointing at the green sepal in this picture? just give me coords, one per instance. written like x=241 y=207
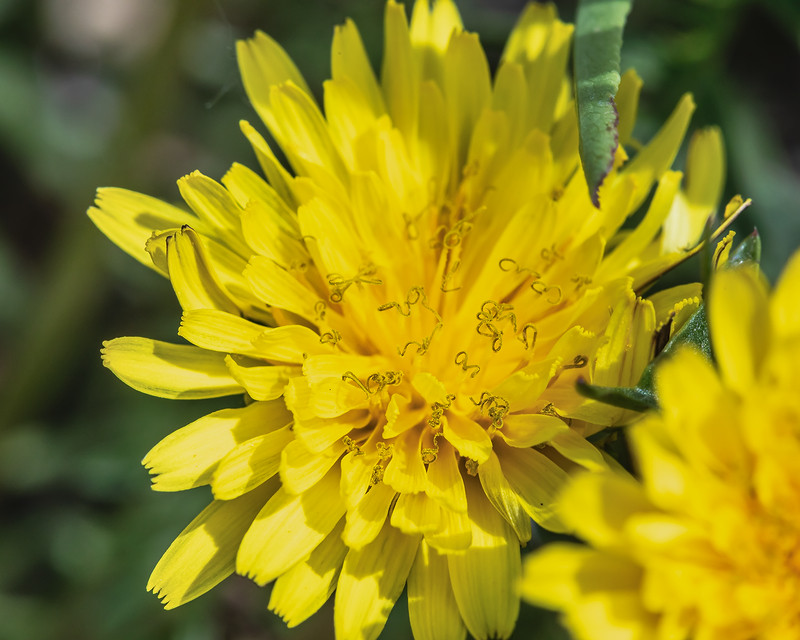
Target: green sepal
x=598 y=40
x=695 y=332
x=748 y=250
x=634 y=398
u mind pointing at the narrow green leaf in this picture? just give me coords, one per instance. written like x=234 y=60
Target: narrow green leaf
x=598 y=40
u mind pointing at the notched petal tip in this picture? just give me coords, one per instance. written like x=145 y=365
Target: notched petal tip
x=156 y=587
x=106 y=348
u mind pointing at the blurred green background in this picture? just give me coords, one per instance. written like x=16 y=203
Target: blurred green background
x=136 y=93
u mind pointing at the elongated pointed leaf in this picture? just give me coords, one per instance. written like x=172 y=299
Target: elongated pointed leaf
x=598 y=40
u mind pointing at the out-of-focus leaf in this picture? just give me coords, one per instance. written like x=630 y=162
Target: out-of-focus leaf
x=598 y=40
x=764 y=174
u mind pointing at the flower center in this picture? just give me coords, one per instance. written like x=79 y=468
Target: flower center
x=430 y=335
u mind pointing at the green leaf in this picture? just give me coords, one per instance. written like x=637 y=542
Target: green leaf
x=598 y=40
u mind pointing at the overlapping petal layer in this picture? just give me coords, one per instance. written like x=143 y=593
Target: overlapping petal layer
x=408 y=304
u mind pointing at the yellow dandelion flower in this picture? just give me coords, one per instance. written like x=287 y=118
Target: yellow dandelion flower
x=708 y=546
x=405 y=310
